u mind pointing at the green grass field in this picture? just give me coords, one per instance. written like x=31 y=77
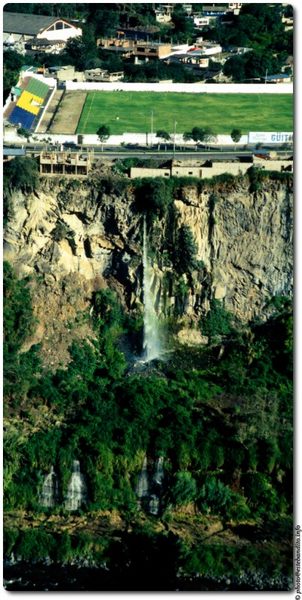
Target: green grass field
x=131 y=112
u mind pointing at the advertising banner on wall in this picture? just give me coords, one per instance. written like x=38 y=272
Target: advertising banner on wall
x=270 y=137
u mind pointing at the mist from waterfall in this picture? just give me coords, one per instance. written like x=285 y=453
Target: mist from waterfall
x=76 y=492
x=152 y=346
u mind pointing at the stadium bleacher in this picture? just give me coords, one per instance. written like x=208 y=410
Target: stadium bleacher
x=29 y=104
x=37 y=87
x=22 y=117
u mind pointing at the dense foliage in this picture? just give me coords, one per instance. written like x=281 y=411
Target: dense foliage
x=213 y=421
x=220 y=415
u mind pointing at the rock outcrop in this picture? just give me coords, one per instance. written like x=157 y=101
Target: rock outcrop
x=75 y=240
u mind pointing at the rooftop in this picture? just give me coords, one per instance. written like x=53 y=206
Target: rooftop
x=27 y=24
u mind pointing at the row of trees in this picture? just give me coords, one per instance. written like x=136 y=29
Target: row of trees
x=203 y=135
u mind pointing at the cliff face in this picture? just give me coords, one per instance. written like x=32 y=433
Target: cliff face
x=77 y=239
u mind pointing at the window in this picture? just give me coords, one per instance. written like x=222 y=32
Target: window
x=52 y=28
x=66 y=26
x=59 y=25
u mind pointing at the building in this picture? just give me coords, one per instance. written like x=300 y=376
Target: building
x=206 y=49
x=208 y=169
x=140 y=49
x=45 y=45
x=201 y=21
x=235 y=7
x=26 y=27
x=212 y=10
x=279 y=78
x=288 y=23
x=103 y=75
x=65 y=163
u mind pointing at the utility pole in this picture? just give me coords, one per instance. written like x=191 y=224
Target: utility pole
x=151 y=128
x=174 y=137
x=265 y=76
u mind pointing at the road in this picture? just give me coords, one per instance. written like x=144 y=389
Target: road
x=143 y=153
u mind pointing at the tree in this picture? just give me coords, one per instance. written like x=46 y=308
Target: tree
x=235 y=68
x=200 y=134
x=163 y=135
x=154 y=195
x=236 y=134
x=103 y=134
x=217 y=321
x=82 y=51
x=183 y=26
x=105 y=21
x=12 y=63
x=21 y=173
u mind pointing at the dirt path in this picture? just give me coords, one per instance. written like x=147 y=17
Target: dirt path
x=49 y=113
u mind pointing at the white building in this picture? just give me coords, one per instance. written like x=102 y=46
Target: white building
x=23 y=27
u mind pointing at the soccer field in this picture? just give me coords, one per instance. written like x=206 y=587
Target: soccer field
x=131 y=112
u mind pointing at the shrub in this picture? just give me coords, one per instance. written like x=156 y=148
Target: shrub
x=35 y=544
x=217 y=321
x=153 y=196
x=185 y=250
x=21 y=173
x=183 y=489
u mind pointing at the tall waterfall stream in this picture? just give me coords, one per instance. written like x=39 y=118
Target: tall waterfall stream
x=152 y=345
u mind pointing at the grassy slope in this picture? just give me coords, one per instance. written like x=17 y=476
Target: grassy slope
x=222 y=112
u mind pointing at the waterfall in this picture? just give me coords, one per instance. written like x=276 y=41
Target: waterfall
x=159 y=471
x=154 y=505
x=49 y=492
x=76 y=492
x=142 y=488
x=152 y=347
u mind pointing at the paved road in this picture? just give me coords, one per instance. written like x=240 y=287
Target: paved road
x=164 y=156
x=114 y=152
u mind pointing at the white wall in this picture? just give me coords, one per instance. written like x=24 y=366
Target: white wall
x=60 y=34
x=191 y=88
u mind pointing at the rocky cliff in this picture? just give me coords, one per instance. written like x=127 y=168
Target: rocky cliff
x=77 y=237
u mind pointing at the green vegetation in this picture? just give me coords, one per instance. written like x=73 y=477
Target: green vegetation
x=154 y=195
x=109 y=421
x=251 y=112
x=21 y=173
x=217 y=321
x=103 y=133
x=220 y=415
x=199 y=134
x=185 y=251
x=236 y=134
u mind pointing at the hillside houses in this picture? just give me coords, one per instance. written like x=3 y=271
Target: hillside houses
x=37 y=31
